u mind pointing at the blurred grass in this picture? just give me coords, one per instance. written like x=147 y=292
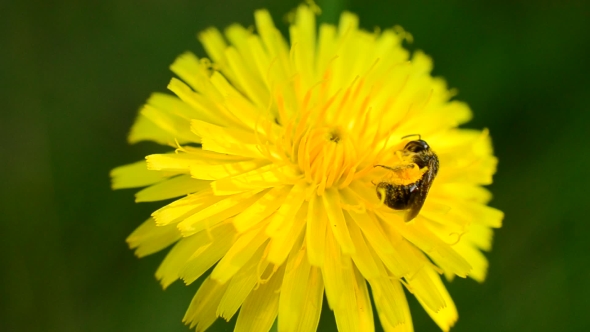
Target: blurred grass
x=74 y=74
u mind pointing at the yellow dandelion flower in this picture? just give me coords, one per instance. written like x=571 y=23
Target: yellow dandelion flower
x=275 y=152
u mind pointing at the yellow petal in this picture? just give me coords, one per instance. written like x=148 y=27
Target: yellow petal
x=286 y=212
x=337 y=222
x=388 y=46
x=475 y=258
x=440 y=252
x=461 y=214
x=201 y=312
x=209 y=106
x=264 y=177
x=177 y=186
x=301 y=297
x=273 y=41
x=346 y=291
x=201 y=251
x=372 y=231
x=362 y=257
x=214 y=44
x=389 y=298
x=390 y=301
x=135 y=175
x=447 y=223
x=184 y=207
x=169 y=269
x=445 y=316
x=242 y=284
x=242 y=250
x=398 y=256
x=480 y=236
x=286 y=236
x=260 y=57
x=164 y=119
x=303 y=45
x=194 y=72
x=248 y=80
x=171 y=105
x=479 y=172
x=326 y=47
x=388 y=322
x=260 y=308
x=261 y=209
x=236 y=103
x=486 y=215
x=312 y=305
x=227 y=141
x=359 y=305
x=216 y=172
x=348 y=23
x=214 y=244
x=149 y=238
x=334 y=280
x=187 y=158
x=402 y=260
x=217 y=212
x=239 y=36
x=468 y=156
x=178 y=127
x=467 y=191
x=144 y=129
x=317 y=223
x=171 y=162
x=424 y=286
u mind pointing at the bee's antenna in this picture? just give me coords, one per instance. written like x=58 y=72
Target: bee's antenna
x=419 y=136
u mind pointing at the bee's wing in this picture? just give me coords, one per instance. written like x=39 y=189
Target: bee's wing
x=416 y=201
x=418 y=196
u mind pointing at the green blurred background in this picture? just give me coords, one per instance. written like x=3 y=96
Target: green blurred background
x=74 y=74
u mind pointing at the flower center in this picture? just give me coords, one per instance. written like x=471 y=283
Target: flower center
x=326 y=156
x=335 y=135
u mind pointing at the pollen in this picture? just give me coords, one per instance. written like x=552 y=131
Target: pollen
x=404 y=174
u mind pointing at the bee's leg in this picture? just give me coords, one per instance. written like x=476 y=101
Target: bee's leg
x=396 y=168
x=386 y=167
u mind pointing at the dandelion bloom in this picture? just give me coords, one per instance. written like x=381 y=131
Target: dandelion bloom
x=274 y=147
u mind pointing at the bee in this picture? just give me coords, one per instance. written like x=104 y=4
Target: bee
x=410 y=196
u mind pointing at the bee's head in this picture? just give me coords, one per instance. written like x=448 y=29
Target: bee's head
x=417 y=146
